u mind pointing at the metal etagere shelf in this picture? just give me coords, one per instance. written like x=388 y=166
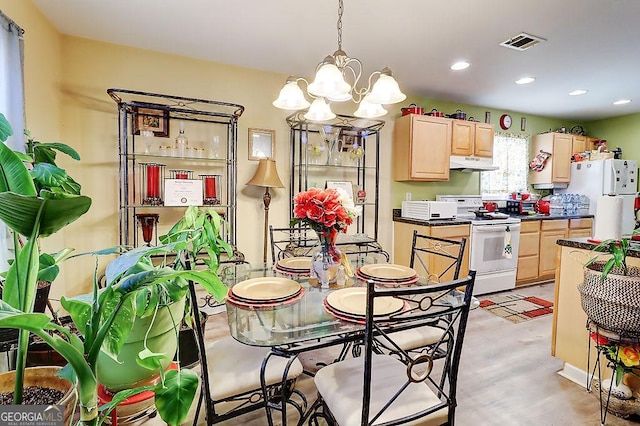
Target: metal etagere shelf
x=363 y=171
x=208 y=120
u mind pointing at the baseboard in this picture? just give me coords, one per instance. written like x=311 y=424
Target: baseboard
x=574 y=374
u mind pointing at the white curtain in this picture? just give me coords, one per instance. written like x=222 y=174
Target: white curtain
x=11 y=103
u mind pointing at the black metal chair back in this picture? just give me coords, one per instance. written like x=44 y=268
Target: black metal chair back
x=438 y=259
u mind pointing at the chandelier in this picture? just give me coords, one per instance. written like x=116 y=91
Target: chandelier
x=336 y=80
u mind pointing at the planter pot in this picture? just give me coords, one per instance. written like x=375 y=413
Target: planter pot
x=44 y=377
x=126 y=373
x=188 y=343
x=614 y=303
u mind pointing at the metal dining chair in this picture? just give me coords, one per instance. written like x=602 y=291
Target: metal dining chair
x=428 y=255
x=238 y=378
x=390 y=389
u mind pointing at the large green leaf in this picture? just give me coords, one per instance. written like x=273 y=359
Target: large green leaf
x=22 y=278
x=48 y=175
x=120 y=328
x=46 y=151
x=5 y=128
x=174 y=398
x=125 y=262
x=14 y=175
x=20 y=212
x=80 y=311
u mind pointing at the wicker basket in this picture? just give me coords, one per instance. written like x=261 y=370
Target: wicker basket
x=612 y=303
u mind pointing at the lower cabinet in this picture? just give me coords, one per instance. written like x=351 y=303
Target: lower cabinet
x=403 y=239
x=538 y=252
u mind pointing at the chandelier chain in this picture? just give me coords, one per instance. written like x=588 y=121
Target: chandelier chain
x=340 y=10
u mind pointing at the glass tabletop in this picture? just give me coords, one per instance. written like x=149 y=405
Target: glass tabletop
x=286 y=324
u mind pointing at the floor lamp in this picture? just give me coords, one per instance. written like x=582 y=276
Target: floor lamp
x=266 y=176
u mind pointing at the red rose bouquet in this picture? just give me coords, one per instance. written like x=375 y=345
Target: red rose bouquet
x=326 y=211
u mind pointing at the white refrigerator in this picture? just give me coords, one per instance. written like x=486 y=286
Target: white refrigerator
x=606 y=177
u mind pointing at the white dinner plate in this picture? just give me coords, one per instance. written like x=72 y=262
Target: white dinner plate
x=353 y=301
x=295 y=263
x=266 y=288
x=388 y=271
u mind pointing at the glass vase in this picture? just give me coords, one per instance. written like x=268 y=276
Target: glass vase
x=325 y=263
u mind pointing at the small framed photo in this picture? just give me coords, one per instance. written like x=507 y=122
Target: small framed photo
x=261 y=144
x=346 y=185
x=523 y=124
x=155 y=119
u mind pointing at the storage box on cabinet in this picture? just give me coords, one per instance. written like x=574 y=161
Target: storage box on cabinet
x=422 y=147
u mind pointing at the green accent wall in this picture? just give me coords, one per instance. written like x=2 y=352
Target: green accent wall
x=622 y=131
x=464 y=182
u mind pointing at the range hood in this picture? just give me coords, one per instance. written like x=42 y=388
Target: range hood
x=471 y=164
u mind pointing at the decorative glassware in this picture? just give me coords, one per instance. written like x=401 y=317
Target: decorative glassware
x=317 y=152
x=152 y=176
x=147 y=136
x=182 y=142
x=334 y=144
x=211 y=189
x=325 y=263
x=215 y=147
x=148 y=222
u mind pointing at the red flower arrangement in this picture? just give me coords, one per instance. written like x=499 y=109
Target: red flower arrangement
x=326 y=211
x=625 y=358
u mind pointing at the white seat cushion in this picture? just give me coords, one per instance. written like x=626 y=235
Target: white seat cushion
x=417 y=337
x=234 y=368
x=340 y=385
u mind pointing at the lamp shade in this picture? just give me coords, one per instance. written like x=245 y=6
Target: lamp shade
x=291 y=97
x=386 y=90
x=369 y=110
x=329 y=82
x=319 y=111
x=266 y=175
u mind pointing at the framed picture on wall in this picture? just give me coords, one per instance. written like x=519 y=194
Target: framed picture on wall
x=261 y=143
x=154 y=119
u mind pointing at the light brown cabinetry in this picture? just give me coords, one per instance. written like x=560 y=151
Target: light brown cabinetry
x=528 y=252
x=471 y=138
x=558 y=166
x=422 y=147
x=580 y=228
x=550 y=232
x=578 y=143
x=403 y=237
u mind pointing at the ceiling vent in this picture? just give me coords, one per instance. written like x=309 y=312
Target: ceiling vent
x=522 y=41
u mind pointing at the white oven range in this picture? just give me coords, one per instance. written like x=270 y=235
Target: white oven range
x=493 y=246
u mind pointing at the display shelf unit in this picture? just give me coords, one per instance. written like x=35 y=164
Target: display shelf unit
x=313 y=163
x=211 y=129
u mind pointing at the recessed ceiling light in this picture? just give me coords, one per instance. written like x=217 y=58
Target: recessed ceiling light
x=622 y=101
x=578 y=92
x=462 y=65
x=525 y=80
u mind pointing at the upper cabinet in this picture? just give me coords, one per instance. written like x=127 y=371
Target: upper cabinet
x=579 y=144
x=472 y=138
x=422 y=147
x=557 y=148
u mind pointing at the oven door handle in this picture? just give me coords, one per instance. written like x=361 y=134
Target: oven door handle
x=496 y=228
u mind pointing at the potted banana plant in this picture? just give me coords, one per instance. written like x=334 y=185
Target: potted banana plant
x=37 y=199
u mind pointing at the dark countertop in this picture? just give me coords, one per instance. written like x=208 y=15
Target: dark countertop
x=585 y=244
x=445 y=222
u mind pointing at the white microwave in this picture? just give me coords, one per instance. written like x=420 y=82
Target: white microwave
x=429 y=210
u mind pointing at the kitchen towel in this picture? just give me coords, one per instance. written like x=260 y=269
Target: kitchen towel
x=608 y=218
x=508 y=249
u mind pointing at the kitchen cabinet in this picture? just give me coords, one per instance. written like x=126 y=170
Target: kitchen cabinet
x=148 y=159
x=528 y=252
x=580 y=228
x=558 y=166
x=422 y=147
x=471 y=138
x=550 y=232
x=403 y=237
x=578 y=144
x=350 y=159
